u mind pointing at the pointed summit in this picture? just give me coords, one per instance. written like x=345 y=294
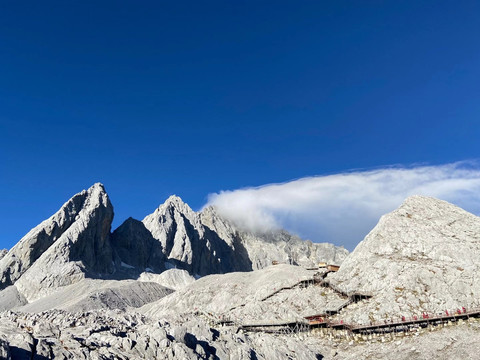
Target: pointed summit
x=175 y=200
x=175 y=203
x=62 y=249
x=39 y=239
x=173 y=224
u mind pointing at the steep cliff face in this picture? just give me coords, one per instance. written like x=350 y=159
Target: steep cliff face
x=205 y=243
x=421 y=257
x=76 y=243
x=189 y=244
x=136 y=249
x=72 y=244
x=264 y=248
x=39 y=239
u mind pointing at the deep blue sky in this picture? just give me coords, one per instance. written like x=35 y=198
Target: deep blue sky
x=193 y=97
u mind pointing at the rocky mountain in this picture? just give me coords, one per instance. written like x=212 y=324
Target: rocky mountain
x=74 y=290
x=175 y=279
x=247 y=296
x=135 y=248
x=205 y=243
x=424 y=256
x=71 y=244
x=190 y=245
x=76 y=243
x=276 y=245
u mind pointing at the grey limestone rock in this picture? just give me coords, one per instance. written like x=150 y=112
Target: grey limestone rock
x=71 y=245
x=94 y=294
x=190 y=245
x=135 y=247
x=205 y=243
x=39 y=239
x=173 y=278
x=10 y=297
x=119 y=335
x=421 y=257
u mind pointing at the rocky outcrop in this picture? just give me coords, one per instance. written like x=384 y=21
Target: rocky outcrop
x=175 y=279
x=39 y=239
x=421 y=257
x=136 y=248
x=71 y=245
x=205 y=243
x=94 y=294
x=76 y=243
x=10 y=298
x=219 y=293
x=190 y=245
x=120 y=335
x=264 y=248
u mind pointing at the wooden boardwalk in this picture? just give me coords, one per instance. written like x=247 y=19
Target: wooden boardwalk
x=311 y=323
x=322 y=320
x=406 y=324
x=283 y=327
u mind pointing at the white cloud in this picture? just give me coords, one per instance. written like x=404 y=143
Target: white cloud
x=343 y=208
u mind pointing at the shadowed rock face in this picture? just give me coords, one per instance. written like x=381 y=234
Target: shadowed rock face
x=135 y=246
x=264 y=248
x=91 y=245
x=205 y=243
x=188 y=244
x=72 y=244
x=76 y=243
x=86 y=217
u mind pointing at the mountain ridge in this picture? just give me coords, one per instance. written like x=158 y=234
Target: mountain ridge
x=77 y=242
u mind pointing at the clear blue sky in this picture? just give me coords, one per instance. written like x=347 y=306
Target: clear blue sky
x=153 y=98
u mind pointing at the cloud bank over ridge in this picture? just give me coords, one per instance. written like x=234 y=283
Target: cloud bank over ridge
x=343 y=208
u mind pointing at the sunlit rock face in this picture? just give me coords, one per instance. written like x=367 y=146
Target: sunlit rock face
x=80 y=291
x=421 y=257
x=188 y=244
x=205 y=243
x=74 y=242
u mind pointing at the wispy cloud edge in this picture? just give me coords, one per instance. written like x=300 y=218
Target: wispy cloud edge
x=342 y=208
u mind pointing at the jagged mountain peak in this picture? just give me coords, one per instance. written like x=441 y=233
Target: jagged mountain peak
x=76 y=243
x=173 y=204
x=97 y=192
x=62 y=249
x=175 y=201
x=38 y=240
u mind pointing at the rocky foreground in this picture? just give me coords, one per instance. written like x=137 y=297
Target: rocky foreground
x=187 y=285
x=120 y=335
